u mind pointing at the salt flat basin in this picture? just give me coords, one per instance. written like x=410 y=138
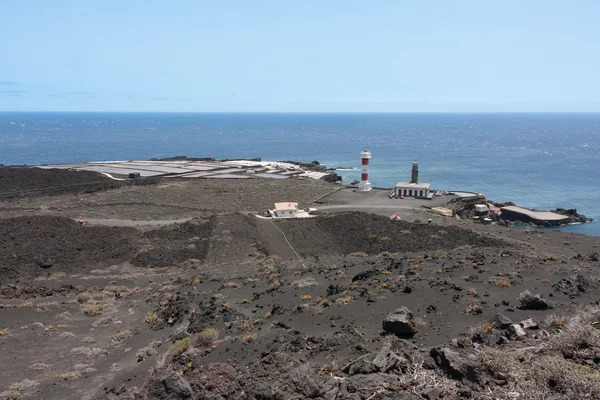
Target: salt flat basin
x=514 y=213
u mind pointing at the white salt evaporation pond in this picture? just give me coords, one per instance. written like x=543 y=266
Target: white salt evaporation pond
x=238 y=169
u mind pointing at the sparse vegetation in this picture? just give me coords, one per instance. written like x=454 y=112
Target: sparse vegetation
x=145 y=352
x=206 y=337
x=84 y=297
x=10 y=395
x=93 y=310
x=149 y=318
x=180 y=346
x=116 y=289
x=121 y=336
x=39 y=366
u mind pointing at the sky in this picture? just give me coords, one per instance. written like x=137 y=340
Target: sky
x=300 y=56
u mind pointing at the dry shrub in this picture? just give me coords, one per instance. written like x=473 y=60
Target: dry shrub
x=550 y=374
x=93 y=310
x=84 y=297
x=64 y=315
x=38 y=366
x=206 y=337
x=10 y=395
x=578 y=332
x=358 y=254
x=69 y=376
x=145 y=352
x=180 y=346
x=116 y=289
x=276 y=259
x=25 y=384
x=193 y=263
x=121 y=336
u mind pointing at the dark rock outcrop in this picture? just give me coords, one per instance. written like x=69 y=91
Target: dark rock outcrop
x=169 y=386
x=455 y=364
x=383 y=361
x=500 y=321
x=400 y=323
x=531 y=302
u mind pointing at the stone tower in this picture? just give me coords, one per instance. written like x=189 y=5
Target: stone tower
x=415 y=173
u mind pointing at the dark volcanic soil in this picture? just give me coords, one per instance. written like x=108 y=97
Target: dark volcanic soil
x=226 y=306
x=373 y=234
x=34 y=182
x=175 y=244
x=35 y=246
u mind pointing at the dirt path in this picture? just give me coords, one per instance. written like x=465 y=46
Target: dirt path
x=133 y=223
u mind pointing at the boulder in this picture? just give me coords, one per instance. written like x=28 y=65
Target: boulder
x=531 y=302
x=400 y=323
x=500 y=321
x=361 y=366
x=303 y=382
x=515 y=331
x=169 y=386
x=386 y=360
x=383 y=361
x=502 y=340
x=529 y=324
x=455 y=364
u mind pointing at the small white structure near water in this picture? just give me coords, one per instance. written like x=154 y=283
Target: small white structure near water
x=285 y=210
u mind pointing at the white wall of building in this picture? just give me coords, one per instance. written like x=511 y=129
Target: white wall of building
x=410 y=192
x=285 y=213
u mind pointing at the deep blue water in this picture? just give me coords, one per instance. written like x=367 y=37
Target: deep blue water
x=536 y=160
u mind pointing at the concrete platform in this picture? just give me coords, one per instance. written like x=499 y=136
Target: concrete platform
x=514 y=213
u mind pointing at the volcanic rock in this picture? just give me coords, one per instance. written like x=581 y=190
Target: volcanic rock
x=455 y=364
x=531 y=302
x=529 y=324
x=500 y=321
x=400 y=323
x=170 y=387
x=385 y=360
x=515 y=331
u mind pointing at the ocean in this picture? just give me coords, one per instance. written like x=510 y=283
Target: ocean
x=540 y=161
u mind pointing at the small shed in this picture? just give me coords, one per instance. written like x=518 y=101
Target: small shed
x=286 y=210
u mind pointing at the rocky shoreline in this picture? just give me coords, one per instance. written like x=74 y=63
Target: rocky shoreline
x=465 y=209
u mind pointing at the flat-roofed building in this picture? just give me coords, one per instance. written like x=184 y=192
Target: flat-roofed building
x=285 y=210
x=410 y=189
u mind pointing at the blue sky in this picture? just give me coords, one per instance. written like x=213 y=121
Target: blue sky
x=300 y=56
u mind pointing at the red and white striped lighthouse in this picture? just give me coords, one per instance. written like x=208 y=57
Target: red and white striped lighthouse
x=365 y=184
